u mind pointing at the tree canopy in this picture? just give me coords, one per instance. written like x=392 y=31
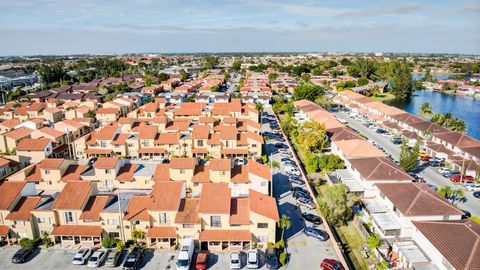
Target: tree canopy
x=210 y=61
x=336 y=204
x=307 y=91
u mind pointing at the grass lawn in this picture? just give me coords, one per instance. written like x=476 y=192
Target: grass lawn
x=476 y=219
x=383 y=97
x=353 y=239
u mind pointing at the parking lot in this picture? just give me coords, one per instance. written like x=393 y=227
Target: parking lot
x=306 y=252
x=429 y=174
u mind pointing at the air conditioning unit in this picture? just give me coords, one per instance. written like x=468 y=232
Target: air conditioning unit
x=127 y=227
x=118 y=226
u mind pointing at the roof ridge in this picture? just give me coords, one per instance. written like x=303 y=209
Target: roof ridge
x=374 y=169
x=414 y=200
x=472 y=253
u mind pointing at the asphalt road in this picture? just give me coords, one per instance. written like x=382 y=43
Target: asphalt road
x=430 y=174
x=234 y=80
x=306 y=252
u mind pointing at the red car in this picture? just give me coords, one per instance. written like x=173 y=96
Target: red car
x=425 y=158
x=461 y=177
x=202 y=260
x=330 y=264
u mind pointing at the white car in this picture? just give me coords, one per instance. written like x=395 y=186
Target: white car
x=443 y=170
x=473 y=187
x=235 y=261
x=97 y=258
x=252 y=259
x=81 y=257
x=241 y=162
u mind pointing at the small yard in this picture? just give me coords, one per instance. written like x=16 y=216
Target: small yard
x=383 y=97
x=354 y=242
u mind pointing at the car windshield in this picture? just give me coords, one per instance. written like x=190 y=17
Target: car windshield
x=182 y=263
x=81 y=251
x=110 y=259
x=131 y=258
x=93 y=259
x=252 y=257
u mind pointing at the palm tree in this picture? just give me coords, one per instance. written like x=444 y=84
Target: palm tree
x=458 y=195
x=425 y=110
x=137 y=234
x=445 y=192
x=259 y=107
x=284 y=223
x=457 y=125
x=274 y=164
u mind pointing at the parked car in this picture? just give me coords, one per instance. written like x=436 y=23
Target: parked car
x=202 y=260
x=235 y=261
x=425 y=158
x=305 y=202
x=185 y=254
x=473 y=187
x=435 y=188
x=380 y=131
x=133 y=259
x=396 y=140
x=271 y=258
x=316 y=220
x=97 y=258
x=112 y=258
x=476 y=194
x=301 y=194
x=22 y=255
x=466 y=214
x=443 y=170
x=448 y=174
x=82 y=255
x=252 y=259
x=467 y=182
x=280 y=145
x=240 y=162
x=296 y=181
x=461 y=177
x=316 y=233
x=330 y=264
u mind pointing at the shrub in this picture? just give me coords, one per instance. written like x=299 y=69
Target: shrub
x=283 y=258
x=279 y=245
x=109 y=242
x=26 y=242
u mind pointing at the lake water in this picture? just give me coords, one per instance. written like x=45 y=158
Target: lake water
x=417 y=76
x=465 y=108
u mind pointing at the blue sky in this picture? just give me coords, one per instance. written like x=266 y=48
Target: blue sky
x=119 y=26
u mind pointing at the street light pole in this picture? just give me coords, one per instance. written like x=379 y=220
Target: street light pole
x=122 y=231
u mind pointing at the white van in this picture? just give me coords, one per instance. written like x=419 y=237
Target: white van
x=185 y=254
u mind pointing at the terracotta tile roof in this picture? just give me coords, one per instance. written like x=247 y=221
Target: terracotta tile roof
x=93 y=208
x=94 y=151
x=200 y=132
x=220 y=164
x=51 y=163
x=166 y=196
x=4 y=230
x=34 y=175
x=106 y=163
x=51 y=132
x=240 y=211
x=161 y=232
x=458 y=139
x=188 y=212
x=263 y=205
x=168 y=138
x=457 y=241
x=201 y=174
x=215 y=198
x=137 y=209
x=120 y=139
x=234 y=151
x=147 y=132
x=228 y=133
x=183 y=163
x=77 y=230
x=377 y=169
x=240 y=174
x=358 y=148
x=107 y=132
x=33 y=144
x=19 y=133
x=178 y=125
x=10 y=123
x=259 y=169
x=125 y=121
x=126 y=172
x=74 y=124
x=73 y=173
x=343 y=133
x=23 y=208
x=417 y=200
x=206 y=119
x=225 y=235
x=162 y=173
x=107 y=111
x=74 y=189
x=407 y=118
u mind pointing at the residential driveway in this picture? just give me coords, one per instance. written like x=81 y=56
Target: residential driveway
x=430 y=174
x=306 y=252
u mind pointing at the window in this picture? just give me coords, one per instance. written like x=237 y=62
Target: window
x=114 y=234
x=200 y=143
x=163 y=219
x=262 y=225
x=107 y=171
x=215 y=221
x=47 y=171
x=188 y=226
x=234 y=225
x=68 y=217
x=112 y=221
x=264 y=184
x=103 y=144
x=182 y=171
x=254 y=145
x=43 y=220
x=262 y=238
x=222 y=173
x=146 y=143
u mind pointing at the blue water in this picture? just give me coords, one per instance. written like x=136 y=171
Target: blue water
x=465 y=108
x=417 y=76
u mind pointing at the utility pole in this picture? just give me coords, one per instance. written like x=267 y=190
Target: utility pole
x=120 y=213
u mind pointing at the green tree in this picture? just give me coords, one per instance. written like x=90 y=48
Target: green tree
x=330 y=162
x=409 y=157
x=109 y=242
x=425 y=110
x=445 y=192
x=401 y=81
x=259 y=107
x=428 y=76
x=336 y=204
x=289 y=126
x=307 y=91
x=362 y=81
x=374 y=241
x=284 y=223
x=236 y=66
x=274 y=164
x=183 y=75
x=25 y=242
x=210 y=62
x=312 y=136
x=458 y=195
x=137 y=234
x=272 y=76
x=318 y=71
x=346 y=62
x=163 y=77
